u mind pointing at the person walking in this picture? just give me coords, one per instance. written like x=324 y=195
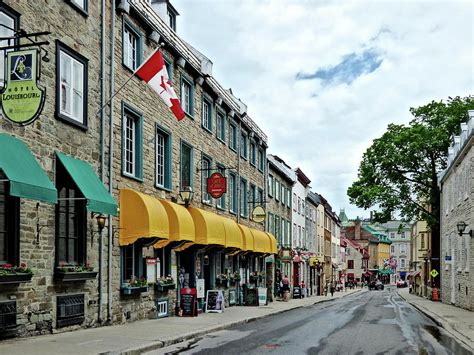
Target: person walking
x=286 y=287
x=332 y=290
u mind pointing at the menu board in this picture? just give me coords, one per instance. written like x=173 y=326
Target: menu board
x=262 y=296
x=188 y=302
x=251 y=297
x=296 y=292
x=214 y=301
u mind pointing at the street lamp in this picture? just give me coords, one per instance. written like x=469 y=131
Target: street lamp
x=461 y=226
x=186 y=194
x=101 y=222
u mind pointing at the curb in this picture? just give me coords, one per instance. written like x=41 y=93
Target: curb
x=164 y=343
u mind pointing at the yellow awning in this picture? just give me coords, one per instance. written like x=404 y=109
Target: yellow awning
x=261 y=241
x=181 y=225
x=247 y=237
x=233 y=236
x=273 y=243
x=141 y=216
x=208 y=226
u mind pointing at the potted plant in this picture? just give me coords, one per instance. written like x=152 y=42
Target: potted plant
x=253 y=276
x=10 y=274
x=221 y=279
x=234 y=277
x=165 y=283
x=135 y=286
x=79 y=272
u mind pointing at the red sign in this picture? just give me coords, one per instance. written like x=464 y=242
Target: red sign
x=216 y=185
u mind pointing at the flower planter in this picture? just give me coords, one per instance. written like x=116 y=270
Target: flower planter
x=134 y=290
x=164 y=287
x=222 y=283
x=66 y=276
x=15 y=278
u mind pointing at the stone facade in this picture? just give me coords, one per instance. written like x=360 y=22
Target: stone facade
x=457 y=261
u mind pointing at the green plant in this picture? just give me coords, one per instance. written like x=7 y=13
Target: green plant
x=137 y=282
x=9 y=269
x=235 y=276
x=222 y=277
x=75 y=268
x=166 y=280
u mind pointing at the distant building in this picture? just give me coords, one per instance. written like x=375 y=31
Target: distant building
x=399 y=234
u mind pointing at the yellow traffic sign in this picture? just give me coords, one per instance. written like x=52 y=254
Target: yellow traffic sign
x=434 y=273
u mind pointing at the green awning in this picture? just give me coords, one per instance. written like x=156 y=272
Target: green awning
x=98 y=198
x=27 y=178
x=385 y=271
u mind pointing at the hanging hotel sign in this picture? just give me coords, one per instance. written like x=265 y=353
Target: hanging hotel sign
x=22 y=99
x=216 y=185
x=258 y=214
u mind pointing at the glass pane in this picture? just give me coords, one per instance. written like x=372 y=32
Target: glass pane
x=65 y=74
x=5 y=32
x=160 y=159
x=185 y=166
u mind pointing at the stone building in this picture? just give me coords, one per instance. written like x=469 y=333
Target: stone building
x=457 y=220
x=356 y=259
x=312 y=202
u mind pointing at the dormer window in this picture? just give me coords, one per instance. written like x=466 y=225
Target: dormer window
x=172 y=13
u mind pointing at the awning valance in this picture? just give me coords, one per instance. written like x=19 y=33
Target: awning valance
x=247 y=238
x=26 y=177
x=233 y=236
x=141 y=216
x=180 y=223
x=261 y=241
x=98 y=198
x=273 y=243
x=208 y=226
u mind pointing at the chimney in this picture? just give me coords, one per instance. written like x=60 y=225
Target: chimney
x=357 y=229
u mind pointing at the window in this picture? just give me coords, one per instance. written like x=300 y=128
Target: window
x=80 y=5
x=232 y=193
x=403 y=249
x=10 y=19
x=172 y=18
x=299 y=205
x=253 y=195
x=132 y=261
x=205 y=172
x=402 y=263
x=253 y=154
x=233 y=137
x=243 y=198
x=206 y=115
x=132 y=146
x=260 y=197
x=221 y=200
x=163 y=158
x=220 y=126
x=271 y=220
x=295 y=202
x=261 y=160
x=270 y=185
x=350 y=264
x=9 y=225
x=277 y=230
x=71 y=86
x=404 y=234
x=186 y=178
x=422 y=237
x=277 y=190
x=187 y=96
x=71 y=216
x=243 y=146
x=392 y=249
x=169 y=69
x=132 y=47
x=288 y=198
x=392 y=235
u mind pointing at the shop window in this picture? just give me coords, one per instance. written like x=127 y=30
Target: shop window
x=71 y=86
x=9 y=225
x=9 y=23
x=163 y=158
x=186 y=163
x=71 y=216
x=133 y=262
x=164 y=254
x=132 y=143
x=132 y=46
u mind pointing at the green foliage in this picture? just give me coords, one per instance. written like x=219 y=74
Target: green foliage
x=398 y=172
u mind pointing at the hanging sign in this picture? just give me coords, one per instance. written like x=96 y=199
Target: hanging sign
x=258 y=214
x=21 y=99
x=216 y=185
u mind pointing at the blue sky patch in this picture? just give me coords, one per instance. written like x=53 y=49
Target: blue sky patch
x=350 y=68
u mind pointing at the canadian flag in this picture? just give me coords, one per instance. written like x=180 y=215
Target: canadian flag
x=154 y=72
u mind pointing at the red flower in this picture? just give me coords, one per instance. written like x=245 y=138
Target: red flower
x=7 y=266
x=23 y=264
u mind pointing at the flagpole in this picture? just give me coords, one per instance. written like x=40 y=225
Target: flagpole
x=126 y=82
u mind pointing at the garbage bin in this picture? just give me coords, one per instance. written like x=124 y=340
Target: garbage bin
x=435 y=294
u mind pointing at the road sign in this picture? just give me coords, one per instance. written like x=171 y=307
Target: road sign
x=434 y=273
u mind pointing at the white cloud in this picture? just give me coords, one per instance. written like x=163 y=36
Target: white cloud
x=258 y=47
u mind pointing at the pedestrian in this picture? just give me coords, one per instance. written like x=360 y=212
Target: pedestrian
x=332 y=290
x=303 y=289
x=286 y=287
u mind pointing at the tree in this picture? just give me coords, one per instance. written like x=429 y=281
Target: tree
x=398 y=172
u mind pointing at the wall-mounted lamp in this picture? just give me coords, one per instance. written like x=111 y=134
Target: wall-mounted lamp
x=101 y=219
x=461 y=227
x=186 y=194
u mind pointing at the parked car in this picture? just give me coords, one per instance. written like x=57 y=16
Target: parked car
x=376 y=285
x=402 y=283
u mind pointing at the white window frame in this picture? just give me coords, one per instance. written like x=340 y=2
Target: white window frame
x=69 y=91
x=129 y=145
x=130 y=48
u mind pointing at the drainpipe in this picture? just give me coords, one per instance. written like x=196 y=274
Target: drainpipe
x=111 y=156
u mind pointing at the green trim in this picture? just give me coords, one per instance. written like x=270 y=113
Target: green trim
x=191 y=163
x=245 y=207
x=138 y=142
x=246 y=152
x=233 y=142
x=27 y=178
x=233 y=209
x=168 y=156
x=98 y=198
x=253 y=157
x=126 y=23
x=190 y=82
x=224 y=130
x=261 y=162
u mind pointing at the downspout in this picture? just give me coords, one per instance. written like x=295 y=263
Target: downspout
x=102 y=151
x=111 y=156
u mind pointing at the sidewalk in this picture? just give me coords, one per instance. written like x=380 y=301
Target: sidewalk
x=456 y=321
x=146 y=335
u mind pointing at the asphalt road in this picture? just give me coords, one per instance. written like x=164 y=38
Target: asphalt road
x=371 y=322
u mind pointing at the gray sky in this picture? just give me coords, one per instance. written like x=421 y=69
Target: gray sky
x=325 y=78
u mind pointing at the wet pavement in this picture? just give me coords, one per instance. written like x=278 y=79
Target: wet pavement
x=374 y=322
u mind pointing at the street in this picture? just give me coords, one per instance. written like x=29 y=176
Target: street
x=369 y=322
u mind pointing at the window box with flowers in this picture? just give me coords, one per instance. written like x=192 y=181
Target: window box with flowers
x=256 y=276
x=135 y=286
x=10 y=274
x=69 y=273
x=222 y=279
x=234 y=277
x=165 y=283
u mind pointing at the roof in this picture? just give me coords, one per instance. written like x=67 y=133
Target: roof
x=314 y=198
x=302 y=177
x=281 y=167
x=395 y=225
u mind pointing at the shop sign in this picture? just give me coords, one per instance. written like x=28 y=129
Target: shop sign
x=214 y=301
x=258 y=214
x=216 y=185
x=188 y=302
x=22 y=99
x=200 y=287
